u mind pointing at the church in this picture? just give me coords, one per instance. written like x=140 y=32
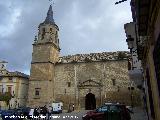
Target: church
x=85 y=80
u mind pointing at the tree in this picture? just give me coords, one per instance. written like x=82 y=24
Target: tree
x=6 y=97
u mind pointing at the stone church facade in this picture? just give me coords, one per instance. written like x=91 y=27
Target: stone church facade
x=85 y=80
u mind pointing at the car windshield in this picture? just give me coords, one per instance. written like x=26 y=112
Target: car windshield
x=102 y=109
x=114 y=108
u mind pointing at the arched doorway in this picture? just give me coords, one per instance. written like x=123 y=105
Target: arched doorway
x=90 y=101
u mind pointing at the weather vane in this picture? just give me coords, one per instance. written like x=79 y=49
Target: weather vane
x=119 y=2
x=51 y=1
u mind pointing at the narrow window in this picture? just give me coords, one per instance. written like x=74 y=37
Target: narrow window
x=69 y=84
x=43 y=33
x=132 y=88
x=56 y=37
x=9 y=89
x=37 y=91
x=50 y=30
x=113 y=82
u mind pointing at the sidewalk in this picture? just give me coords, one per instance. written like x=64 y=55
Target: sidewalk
x=139 y=114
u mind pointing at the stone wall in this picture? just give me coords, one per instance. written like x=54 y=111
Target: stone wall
x=94 y=76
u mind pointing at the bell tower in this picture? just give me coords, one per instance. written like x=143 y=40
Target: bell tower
x=45 y=55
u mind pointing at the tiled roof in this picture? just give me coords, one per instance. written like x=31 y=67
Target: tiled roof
x=14 y=74
x=104 y=56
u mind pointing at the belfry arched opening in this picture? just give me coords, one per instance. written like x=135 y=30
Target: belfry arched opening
x=90 y=101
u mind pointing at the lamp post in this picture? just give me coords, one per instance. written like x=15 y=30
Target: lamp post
x=130 y=42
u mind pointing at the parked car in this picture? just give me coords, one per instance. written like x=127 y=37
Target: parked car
x=23 y=111
x=130 y=109
x=8 y=115
x=18 y=112
x=108 y=112
x=57 y=107
x=1 y=111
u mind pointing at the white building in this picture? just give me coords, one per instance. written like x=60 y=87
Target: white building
x=16 y=83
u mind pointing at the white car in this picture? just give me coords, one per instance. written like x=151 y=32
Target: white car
x=57 y=107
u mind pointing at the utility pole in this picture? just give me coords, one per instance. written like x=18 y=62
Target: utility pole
x=120 y=2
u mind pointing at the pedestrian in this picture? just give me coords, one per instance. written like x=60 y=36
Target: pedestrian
x=31 y=113
x=73 y=107
x=36 y=114
x=45 y=112
x=50 y=109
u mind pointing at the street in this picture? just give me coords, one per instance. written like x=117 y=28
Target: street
x=138 y=115
x=68 y=116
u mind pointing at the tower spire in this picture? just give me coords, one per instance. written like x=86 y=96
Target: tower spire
x=49 y=19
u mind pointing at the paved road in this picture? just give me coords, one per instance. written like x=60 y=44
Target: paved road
x=138 y=115
x=69 y=116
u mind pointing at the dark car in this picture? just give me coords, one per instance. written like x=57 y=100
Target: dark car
x=9 y=115
x=108 y=112
x=15 y=114
x=23 y=112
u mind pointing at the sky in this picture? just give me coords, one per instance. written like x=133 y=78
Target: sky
x=86 y=26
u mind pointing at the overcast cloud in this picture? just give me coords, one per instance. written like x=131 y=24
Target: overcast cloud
x=86 y=26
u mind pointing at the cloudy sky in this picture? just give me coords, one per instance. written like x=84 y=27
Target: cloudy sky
x=86 y=26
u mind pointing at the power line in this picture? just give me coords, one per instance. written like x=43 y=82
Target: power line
x=120 y=2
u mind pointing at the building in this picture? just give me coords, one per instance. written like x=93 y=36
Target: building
x=85 y=80
x=15 y=83
x=146 y=17
x=135 y=71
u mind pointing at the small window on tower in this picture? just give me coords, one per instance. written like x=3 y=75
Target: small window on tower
x=50 y=30
x=43 y=33
x=56 y=36
x=37 y=92
x=113 y=82
x=69 y=84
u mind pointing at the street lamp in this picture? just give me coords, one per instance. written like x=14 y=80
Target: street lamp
x=130 y=42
